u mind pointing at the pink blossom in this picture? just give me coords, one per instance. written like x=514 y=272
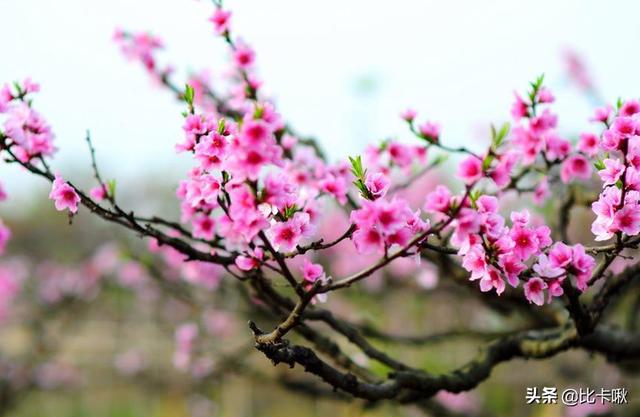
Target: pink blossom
x=474 y=261
x=98 y=193
x=221 y=20
x=487 y=204
x=520 y=108
x=525 y=240
x=624 y=126
x=430 y=131
x=492 y=280
x=5 y=98
x=408 y=115
x=512 y=267
x=546 y=268
x=64 y=196
x=556 y=147
x=610 y=140
x=602 y=114
x=582 y=266
x=560 y=255
x=588 y=144
x=627 y=219
x=243 y=56
x=545 y=96
x=400 y=154
x=335 y=186
x=203 y=227
x=439 y=200
x=311 y=272
x=612 y=172
x=534 y=290
x=377 y=184
x=576 y=166
x=368 y=241
x=542 y=191
x=286 y=235
x=470 y=169
x=251 y=261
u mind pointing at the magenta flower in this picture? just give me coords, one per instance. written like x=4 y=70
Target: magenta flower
x=588 y=144
x=243 y=56
x=221 y=20
x=525 y=242
x=470 y=170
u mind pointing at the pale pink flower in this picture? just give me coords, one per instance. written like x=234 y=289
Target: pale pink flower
x=408 y=115
x=64 y=196
x=612 y=172
x=492 y=280
x=589 y=143
x=534 y=290
x=203 y=227
x=560 y=255
x=575 y=166
x=430 y=130
x=98 y=193
x=377 y=184
x=311 y=272
x=439 y=200
x=627 y=219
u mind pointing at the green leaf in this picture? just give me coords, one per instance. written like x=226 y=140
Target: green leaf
x=259 y=112
x=356 y=167
x=486 y=163
x=439 y=159
x=221 y=126
x=111 y=188
x=189 y=94
x=474 y=195
x=599 y=164
x=498 y=136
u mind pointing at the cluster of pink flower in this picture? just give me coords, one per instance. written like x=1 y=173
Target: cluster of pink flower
x=256 y=188
x=142 y=47
x=29 y=132
x=536 y=135
x=492 y=251
x=381 y=224
x=617 y=208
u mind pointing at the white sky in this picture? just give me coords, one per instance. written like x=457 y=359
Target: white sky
x=456 y=62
